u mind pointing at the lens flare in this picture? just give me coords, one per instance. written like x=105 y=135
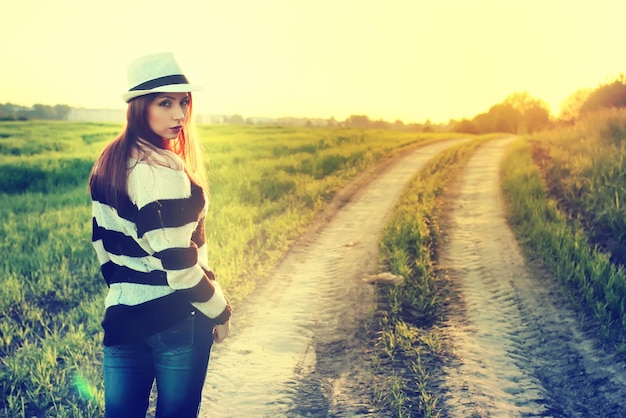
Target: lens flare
x=85 y=389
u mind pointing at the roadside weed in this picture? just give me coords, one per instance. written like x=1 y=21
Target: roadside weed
x=407 y=248
x=552 y=190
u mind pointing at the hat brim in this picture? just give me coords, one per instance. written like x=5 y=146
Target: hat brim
x=170 y=88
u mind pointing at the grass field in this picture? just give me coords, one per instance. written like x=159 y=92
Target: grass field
x=564 y=190
x=267 y=184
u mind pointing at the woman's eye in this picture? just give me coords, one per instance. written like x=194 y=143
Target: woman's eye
x=184 y=103
x=165 y=103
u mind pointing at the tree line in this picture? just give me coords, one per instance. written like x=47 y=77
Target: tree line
x=10 y=111
x=520 y=113
x=352 y=121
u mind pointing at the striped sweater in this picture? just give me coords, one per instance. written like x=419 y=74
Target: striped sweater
x=152 y=254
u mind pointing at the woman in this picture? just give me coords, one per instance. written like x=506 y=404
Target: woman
x=164 y=307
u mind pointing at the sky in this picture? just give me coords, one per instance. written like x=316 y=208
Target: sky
x=412 y=60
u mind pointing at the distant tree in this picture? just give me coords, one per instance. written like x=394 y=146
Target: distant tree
x=380 y=124
x=10 y=111
x=537 y=118
x=518 y=113
x=61 y=111
x=570 y=108
x=41 y=111
x=398 y=125
x=234 y=120
x=358 y=121
x=534 y=113
x=451 y=124
x=465 y=126
x=520 y=100
x=504 y=117
x=6 y=112
x=23 y=114
x=414 y=127
x=483 y=123
x=606 y=96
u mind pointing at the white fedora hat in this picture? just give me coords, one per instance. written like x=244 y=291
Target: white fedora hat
x=156 y=73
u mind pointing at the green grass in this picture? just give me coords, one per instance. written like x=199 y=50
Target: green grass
x=267 y=184
x=555 y=219
x=584 y=167
x=564 y=189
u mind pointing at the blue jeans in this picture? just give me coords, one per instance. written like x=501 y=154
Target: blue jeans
x=177 y=358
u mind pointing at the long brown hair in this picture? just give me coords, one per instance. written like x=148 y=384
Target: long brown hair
x=109 y=175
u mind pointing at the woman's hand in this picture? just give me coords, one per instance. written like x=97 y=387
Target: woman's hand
x=220 y=332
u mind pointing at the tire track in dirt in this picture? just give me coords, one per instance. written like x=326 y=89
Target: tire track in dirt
x=299 y=344
x=517 y=349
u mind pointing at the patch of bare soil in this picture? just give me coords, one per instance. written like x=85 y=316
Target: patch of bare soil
x=300 y=345
x=517 y=349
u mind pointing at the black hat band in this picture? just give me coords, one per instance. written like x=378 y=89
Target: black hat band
x=161 y=81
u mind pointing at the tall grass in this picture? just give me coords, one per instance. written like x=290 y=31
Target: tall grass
x=563 y=190
x=584 y=167
x=266 y=186
x=408 y=248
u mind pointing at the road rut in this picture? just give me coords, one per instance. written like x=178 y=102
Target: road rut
x=296 y=347
x=518 y=350
x=300 y=348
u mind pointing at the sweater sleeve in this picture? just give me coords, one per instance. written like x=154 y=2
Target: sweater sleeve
x=170 y=209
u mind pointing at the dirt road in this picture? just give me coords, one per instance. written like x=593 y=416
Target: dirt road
x=297 y=344
x=299 y=347
x=517 y=346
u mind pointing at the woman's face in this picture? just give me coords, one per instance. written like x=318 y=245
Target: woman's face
x=166 y=114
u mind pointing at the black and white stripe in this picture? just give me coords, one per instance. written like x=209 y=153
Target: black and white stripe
x=152 y=252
